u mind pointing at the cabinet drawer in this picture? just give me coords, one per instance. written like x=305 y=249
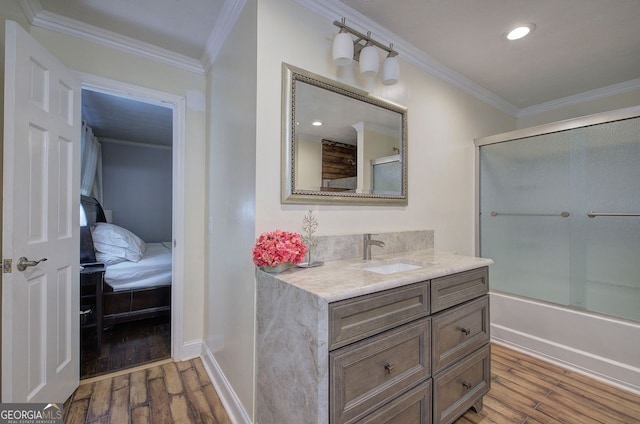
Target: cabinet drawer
x=413 y=407
x=457 y=288
x=460 y=386
x=458 y=332
x=365 y=375
x=355 y=319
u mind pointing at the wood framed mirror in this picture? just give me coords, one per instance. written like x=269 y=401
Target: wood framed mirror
x=340 y=145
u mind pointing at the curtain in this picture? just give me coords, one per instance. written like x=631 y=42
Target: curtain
x=91 y=166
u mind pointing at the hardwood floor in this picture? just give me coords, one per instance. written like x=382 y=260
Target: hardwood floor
x=528 y=390
x=125 y=346
x=172 y=392
x=524 y=390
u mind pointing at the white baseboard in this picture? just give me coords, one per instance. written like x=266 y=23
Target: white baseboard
x=190 y=350
x=233 y=406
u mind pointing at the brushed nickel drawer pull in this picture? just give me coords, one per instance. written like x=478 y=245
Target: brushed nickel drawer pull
x=388 y=368
x=466 y=385
x=466 y=331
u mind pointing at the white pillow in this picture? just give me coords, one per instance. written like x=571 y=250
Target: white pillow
x=116 y=241
x=108 y=259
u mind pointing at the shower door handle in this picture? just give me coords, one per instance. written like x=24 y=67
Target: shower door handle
x=594 y=214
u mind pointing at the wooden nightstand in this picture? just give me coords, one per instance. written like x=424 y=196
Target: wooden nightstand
x=91 y=293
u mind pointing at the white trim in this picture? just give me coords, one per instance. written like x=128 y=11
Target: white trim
x=230 y=401
x=134 y=143
x=178 y=103
x=179 y=171
x=44 y=19
x=192 y=349
x=221 y=30
x=587 y=96
x=31 y=8
x=334 y=10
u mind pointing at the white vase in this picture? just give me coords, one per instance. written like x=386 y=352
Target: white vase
x=277 y=268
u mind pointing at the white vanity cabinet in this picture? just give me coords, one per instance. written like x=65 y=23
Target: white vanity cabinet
x=417 y=352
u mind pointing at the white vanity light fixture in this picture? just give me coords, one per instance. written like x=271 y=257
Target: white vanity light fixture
x=519 y=31
x=343 y=47
x=363 y=49
x=316 y=123
x=390 y=68
x=369 y=60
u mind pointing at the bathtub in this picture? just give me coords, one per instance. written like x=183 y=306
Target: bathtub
x=599 y=346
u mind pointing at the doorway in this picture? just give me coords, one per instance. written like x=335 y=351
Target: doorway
x=136 y=129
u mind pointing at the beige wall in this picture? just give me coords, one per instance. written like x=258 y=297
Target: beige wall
x=231 y=159
x=442 y=125
x=87 y=57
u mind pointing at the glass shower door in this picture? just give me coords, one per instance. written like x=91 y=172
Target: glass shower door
x=560 y=216
x=611 y=218
x=524 y=226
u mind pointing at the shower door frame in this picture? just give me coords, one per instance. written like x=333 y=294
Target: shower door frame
x=554 y=127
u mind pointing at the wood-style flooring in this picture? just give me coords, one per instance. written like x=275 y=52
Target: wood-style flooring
x=171 y=392
x=527 y=390
x=524 y=390
x=125 y=346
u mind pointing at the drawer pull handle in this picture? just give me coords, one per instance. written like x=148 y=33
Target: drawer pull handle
x=388 y=368
x=466 y=385
x=466 y=331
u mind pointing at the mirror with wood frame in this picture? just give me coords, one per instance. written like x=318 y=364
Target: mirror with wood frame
x=341 y=145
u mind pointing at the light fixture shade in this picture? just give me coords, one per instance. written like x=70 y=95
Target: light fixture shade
x=369 y=61
x=342 y=49
x=390 y=70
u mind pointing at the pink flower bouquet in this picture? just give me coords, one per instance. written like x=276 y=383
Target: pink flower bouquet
x=278 y=247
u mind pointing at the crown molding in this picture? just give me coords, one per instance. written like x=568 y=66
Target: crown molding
x=134 y=143
x=41 y=18
x=31 y=8
x=333 y=9
x=221 y=30
x=587 y=96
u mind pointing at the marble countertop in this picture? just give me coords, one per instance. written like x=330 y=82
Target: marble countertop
x=338 y=280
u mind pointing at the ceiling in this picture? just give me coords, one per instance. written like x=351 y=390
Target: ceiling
x=118 y=119
x=579 y=47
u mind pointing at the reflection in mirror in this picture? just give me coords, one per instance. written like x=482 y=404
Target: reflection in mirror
x=340 y=145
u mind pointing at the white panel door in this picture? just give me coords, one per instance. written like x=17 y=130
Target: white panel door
x=40 y=210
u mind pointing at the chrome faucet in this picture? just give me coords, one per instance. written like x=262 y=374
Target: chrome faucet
x=366 y=246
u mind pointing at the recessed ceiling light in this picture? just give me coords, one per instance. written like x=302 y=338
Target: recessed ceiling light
x=316 y=123
x=519 y=31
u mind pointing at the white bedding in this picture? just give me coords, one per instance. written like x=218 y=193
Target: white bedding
x=153 y=270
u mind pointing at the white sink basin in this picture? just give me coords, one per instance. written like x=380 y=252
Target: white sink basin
x=392 y=268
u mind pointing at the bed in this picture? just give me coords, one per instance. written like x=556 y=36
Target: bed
x=135 y=288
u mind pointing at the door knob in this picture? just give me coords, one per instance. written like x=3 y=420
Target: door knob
x=24 y=263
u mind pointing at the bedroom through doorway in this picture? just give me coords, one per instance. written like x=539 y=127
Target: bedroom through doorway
x=127 y=177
